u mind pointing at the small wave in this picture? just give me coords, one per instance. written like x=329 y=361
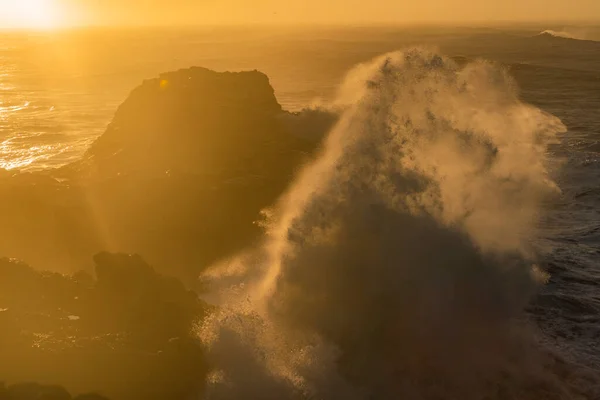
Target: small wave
x=566 y=34
x=20 y=107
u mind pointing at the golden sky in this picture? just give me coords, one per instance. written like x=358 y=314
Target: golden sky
x=48 y=13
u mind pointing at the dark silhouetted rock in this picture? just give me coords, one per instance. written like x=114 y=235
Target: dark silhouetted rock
x=3 y=391
x=180 y=176
x=127 y=334
x=196 y=121
x=35 y=391
x=90 y=396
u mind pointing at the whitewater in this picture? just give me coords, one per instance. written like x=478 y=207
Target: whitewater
x=399 y=263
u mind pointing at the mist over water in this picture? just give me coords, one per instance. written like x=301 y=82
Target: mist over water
x=399 y=262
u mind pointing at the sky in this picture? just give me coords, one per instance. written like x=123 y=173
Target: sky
x=49 y=13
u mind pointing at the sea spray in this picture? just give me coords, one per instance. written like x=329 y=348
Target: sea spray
x=399 y=262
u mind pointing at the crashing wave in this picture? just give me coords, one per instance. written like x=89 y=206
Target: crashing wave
x=399 y=262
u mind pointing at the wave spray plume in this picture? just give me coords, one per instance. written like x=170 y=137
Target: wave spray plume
x=399 y=262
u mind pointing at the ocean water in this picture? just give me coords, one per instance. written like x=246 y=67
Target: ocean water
x=58 y=91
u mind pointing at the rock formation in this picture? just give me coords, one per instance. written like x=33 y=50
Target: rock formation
x=196 y=121
x=180 y=176
x=127 y=334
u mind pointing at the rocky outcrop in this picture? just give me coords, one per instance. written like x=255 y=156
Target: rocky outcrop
x=127 y=334
x=33 y=391
x=36 y=391
x=219 y=125
x=180 y=176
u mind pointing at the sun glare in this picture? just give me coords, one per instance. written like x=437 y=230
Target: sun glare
x=29 y=14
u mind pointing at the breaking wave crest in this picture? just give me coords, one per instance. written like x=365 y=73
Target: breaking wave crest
x=577 y=34
x=399 y=262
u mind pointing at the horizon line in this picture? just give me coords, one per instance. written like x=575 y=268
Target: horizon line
x=341 y=24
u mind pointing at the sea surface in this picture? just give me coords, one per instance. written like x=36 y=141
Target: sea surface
x=58 y=92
